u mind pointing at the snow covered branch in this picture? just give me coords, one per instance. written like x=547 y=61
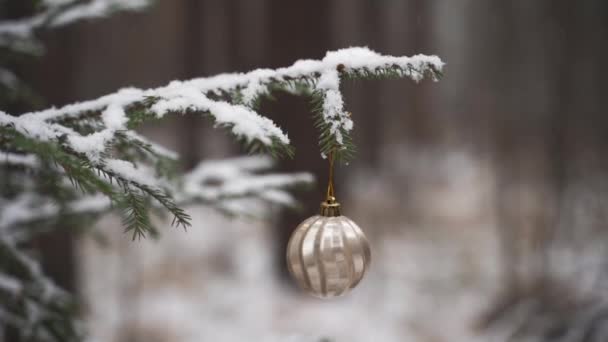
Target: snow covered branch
x=43 y=312
x=229 y=99
x=31 y=301
x=235 y=186
x=19 y=35
x=85 y=159
x=93 y=143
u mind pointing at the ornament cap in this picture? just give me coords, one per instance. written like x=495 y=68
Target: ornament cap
x=330 y=207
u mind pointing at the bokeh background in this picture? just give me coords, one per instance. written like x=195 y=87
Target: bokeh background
x=484 y=195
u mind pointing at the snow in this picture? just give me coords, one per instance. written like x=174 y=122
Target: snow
x=10 y=285
x=243 y=121
x=334 y=114
x=185 y=96
x=21 y=28
x=46 y=289
x=156 y=148
x=93 y=144
x=42 y=297
x=114 y=117
x=96 y=8
x=333 y=104
x=252 y=91
x=218 y=282
x=8 y=78
x=23 y=208
x=175 y=98
x=279 y=197
x=128 y=171
x=54 y=3
x=242 y=186
x=19 y=34
x=90 y=204
x=232 y=184
x=233 y=187
x=29 y=207
x=28 y=160
x=349 y=58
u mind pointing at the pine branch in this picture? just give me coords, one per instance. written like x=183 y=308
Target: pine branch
x=92 y=147
x=216 y=184
x=230 y=99
x=345 y=150
x=136 y=149
x=32 y=303
x=134 y=202
x=93 y=142
x=19 y=35
x=135 y=214
x=91 y=177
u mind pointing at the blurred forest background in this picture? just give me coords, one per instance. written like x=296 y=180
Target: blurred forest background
x=485 y=195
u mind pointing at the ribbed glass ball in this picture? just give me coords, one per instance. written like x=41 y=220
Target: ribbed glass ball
x=328 y=256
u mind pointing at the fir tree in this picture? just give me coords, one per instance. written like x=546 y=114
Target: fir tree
x=85 y=159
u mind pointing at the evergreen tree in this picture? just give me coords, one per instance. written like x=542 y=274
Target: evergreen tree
x=82 y=160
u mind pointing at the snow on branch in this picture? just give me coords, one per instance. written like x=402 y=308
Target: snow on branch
x=18 y=34
x=238 y=92
x=85 y=158
x=30 y=301
x=236 y=186
x=94 y=143
x=26 y=160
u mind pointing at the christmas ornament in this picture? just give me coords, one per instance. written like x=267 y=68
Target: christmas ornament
x=328 y=254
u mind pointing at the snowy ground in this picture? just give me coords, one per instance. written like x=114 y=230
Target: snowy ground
x=428 y=282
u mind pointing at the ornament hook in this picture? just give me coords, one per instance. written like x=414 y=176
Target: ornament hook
x=330 y=183
x=330 y=207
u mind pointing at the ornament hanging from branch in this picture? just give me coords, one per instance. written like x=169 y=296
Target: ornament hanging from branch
x=328 y=254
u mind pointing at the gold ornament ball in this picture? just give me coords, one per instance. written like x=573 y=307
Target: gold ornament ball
x=328 y=254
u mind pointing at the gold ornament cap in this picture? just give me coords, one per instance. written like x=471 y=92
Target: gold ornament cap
x=330 y=207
